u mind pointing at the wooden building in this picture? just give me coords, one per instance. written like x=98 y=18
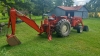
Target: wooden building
x=80 y=11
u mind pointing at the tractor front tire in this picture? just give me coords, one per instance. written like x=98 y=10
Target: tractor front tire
x=85 y=28
x=63 y=28
x=79 y=29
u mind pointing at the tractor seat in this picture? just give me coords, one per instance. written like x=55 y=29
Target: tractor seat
x=53 y=17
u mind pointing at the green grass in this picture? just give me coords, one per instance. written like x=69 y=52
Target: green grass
x=76 y=44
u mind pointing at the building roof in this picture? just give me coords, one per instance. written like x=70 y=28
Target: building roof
x=70 y=8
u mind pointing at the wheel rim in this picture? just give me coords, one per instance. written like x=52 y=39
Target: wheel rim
x=64 y=28
x=81 y=29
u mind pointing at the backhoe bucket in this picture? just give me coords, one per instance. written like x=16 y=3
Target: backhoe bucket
x=13 y=40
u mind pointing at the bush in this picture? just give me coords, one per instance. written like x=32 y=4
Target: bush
x=94 y=14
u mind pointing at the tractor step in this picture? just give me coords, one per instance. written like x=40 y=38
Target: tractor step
x=13 y=40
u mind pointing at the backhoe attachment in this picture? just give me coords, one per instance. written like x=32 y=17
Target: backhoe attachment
x=11 y=38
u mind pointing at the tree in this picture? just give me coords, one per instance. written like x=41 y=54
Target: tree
x=38 y=7
x=63 y=2
x=18 y=4
x=4 y=4
x=42 y=6
x=58 y=2
x=93 y=6
x=68 y=2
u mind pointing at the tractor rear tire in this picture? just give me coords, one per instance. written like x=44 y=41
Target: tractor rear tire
x=63 y=28
x=79 y=29
x=85 y=28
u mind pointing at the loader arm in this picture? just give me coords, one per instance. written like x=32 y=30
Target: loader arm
x=15 y=14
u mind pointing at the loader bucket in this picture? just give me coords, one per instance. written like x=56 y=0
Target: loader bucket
x=13 y=40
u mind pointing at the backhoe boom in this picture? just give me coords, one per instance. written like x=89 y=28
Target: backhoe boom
x=14 y=14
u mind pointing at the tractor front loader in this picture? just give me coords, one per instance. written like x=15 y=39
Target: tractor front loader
x=61 y=25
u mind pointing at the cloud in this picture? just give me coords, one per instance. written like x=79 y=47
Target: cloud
x=80 y=2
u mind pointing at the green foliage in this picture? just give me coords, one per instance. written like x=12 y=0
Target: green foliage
x=3 y=18
x=94 y=14
x=1 y=6
x=91 y=14
x=58 y=2
x=93 y=6
x=63 y=2
x=68 y=2
x=42 y=6
x=37 y=7
x=10 y=1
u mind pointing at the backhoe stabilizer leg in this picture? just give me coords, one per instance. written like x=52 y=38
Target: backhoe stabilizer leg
x=13 y=40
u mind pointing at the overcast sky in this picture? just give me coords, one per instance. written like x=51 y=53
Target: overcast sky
x=80 y=2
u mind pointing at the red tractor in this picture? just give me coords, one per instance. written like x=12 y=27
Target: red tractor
x=61 y=25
